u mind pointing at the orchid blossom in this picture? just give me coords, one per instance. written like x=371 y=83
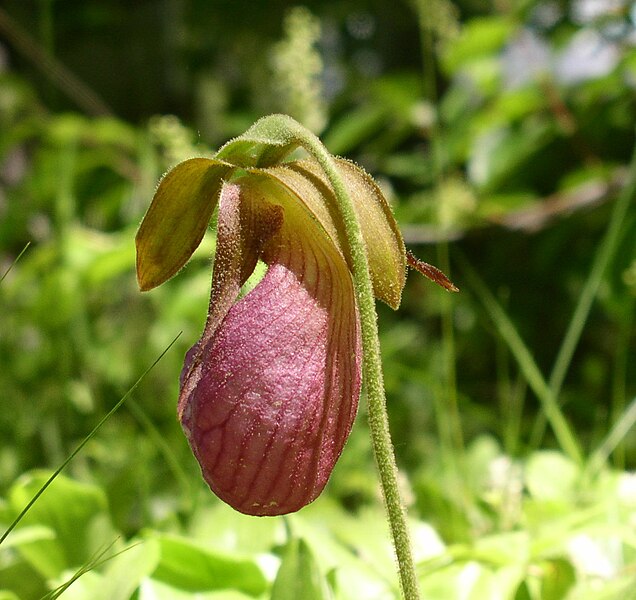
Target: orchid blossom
x=270 y=392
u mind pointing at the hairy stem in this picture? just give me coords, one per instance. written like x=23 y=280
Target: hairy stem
x=372 y=360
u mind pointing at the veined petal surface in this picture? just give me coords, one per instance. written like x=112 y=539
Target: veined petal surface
x=270 y=393
x=384 y=244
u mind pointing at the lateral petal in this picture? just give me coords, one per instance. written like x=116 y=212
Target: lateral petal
x=384 y=244
x=177 y=218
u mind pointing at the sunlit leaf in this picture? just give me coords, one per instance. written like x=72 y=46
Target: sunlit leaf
x=190 y=566
x=299 y=576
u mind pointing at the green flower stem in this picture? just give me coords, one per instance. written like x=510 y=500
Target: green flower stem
x=372 y=360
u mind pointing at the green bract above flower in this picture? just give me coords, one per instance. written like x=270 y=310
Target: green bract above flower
x=270 y=391
x=183 y=204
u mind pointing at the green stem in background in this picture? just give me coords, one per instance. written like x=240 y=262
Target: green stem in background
x=287 y=130
x=619 y=379
x=617 y=434
x=172 y=463
x=588 y=294
x=17 y=258
x=449 y=420
x=566 y=439
x=83 y=443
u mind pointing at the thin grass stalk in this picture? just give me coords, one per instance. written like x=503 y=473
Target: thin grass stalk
x=562 y=431
x=168 y=454
x=602 y=259
x=612 y=440
x=83 y=443
x=619 y=376
x=93 y=562
x=447 y=409
x=17 y=258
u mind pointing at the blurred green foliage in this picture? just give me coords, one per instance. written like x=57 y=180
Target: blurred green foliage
x=501 y=134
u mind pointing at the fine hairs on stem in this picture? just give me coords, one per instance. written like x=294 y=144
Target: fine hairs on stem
x=269 y=140
x=372 y=370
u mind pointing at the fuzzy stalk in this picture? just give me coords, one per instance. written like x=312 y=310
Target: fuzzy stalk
x=372 y=360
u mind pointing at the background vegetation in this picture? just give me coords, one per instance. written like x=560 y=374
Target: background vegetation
x=502 y=134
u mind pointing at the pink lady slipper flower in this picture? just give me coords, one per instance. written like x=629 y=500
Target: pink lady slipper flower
x=270 y=391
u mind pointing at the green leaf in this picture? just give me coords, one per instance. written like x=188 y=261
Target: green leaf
x=26 y=535
x=192 y=567
x=299 y=575
x=479 y=37
x=122 y=574
x=229 y=530
x=75 y=512
x=128 y=569
x=551 y=476
x=499 y=154
x=19 y=577
x=559 y=577
x=177 y=219
x=155 y=590
x=362 y=563
x=357 y=126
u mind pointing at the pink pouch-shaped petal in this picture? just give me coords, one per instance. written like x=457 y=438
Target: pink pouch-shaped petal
x=270 y=393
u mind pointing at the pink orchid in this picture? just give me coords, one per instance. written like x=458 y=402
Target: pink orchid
x=270 y=391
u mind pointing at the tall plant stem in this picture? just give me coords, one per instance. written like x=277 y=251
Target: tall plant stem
x=507 y=331
x=446 y=405
x=288 y=131
x=588 y=294
x=373 y=378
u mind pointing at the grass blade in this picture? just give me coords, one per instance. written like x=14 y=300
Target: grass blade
x=83 y=443
x=602 y=259
x=612 y=439
x=165 y=450
x=93 y=562
x=566 y=439
x=17 y=258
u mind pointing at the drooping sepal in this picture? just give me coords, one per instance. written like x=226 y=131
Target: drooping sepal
x=175 y=223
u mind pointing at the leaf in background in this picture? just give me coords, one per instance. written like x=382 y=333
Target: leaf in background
x=498 y=155
x=551 y=476
x=125 y=572
x=558 y=578
x=26 y=535
x=480 y=37
x=299 y=575
x=354 y=550
x=155 y=590
x=354 y=128
x=192 y=567
x=229 y=530
x=76 y=512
